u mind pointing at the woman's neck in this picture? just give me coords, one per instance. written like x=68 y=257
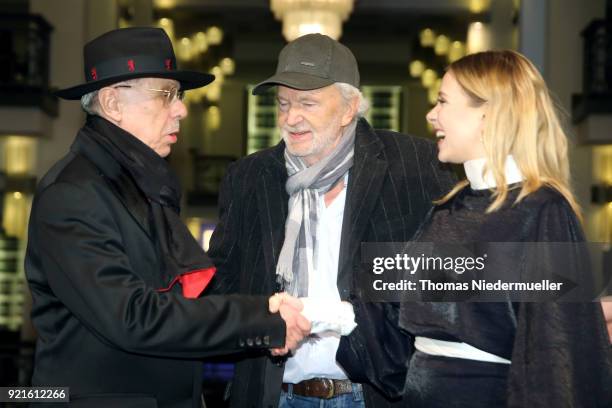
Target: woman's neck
x=474 y=170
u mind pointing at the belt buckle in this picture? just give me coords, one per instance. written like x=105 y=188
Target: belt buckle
x=329 y=383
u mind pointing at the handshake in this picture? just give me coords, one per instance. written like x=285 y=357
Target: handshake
x=290 y=309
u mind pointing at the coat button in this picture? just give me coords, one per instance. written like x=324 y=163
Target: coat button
x=241 y=343
x=249 y=342
x=258 y=341
x=266 y=340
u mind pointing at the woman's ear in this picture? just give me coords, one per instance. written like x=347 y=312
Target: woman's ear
x=483 y=118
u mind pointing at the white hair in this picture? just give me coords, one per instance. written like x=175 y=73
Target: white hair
x=89 y=101
x=349 y=92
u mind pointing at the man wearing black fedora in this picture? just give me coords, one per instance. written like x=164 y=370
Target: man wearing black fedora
x=115 y=275
x=293 y=218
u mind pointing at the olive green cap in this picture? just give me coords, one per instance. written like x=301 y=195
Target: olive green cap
x=312 y=61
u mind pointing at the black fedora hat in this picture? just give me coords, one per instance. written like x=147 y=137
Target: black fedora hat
x=127 y=53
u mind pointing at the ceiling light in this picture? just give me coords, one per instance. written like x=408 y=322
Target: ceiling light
x=302 y=17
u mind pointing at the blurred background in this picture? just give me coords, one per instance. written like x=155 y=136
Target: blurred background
x=402 y=47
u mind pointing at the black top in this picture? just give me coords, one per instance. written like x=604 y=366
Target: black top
x=559 y=351
x=542 y=216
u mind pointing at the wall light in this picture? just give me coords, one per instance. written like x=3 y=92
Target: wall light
x=427 y=37
x=478 y=37
x=165 y=4
x=213 y=118
x=228 y=66
x=416 y=68
x=19 y=155
x=214 y=35
x=16 y=211
x=479 y=6
x=428 y=78
x=200 y=41
x=457 y=51
x=184 y=49
x=218 y=73
x=168 y=26
x=433 y=91
x=213 y=92
x=442 y=45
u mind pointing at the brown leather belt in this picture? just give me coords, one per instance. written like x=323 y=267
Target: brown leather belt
x=320 y=388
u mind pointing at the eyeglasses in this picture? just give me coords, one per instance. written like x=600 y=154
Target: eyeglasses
x=169 y=95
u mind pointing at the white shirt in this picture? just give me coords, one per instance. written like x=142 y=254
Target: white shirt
x=479 y=181
x=316 y=357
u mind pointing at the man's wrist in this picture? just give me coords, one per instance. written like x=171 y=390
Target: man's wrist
x=329 y=315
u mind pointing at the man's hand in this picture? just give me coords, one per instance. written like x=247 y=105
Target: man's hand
x=276 y=300
x=298 y=326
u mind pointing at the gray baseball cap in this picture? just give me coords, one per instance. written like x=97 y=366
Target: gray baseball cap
x=312 y=61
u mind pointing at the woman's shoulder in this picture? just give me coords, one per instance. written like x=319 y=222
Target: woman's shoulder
x=545 y=195
x=542 y=215
x=544 y=199
x=551 y=216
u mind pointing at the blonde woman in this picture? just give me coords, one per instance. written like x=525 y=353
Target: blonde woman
x=495 y=116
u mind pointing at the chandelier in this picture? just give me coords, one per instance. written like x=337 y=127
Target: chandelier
x=302 y=17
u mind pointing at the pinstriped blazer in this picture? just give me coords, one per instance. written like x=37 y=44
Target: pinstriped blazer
x=391 y=186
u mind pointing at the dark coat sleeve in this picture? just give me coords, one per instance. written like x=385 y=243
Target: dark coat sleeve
x=224 y=248
x=377 y=351
x=561 y=354
x=439 y=177
x=79 y=245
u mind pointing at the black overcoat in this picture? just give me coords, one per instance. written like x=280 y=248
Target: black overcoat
x=94 y=269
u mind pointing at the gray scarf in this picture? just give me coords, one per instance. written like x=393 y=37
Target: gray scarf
x=304 y=185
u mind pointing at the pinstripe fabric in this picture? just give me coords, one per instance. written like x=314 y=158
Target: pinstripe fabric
x=391 y=185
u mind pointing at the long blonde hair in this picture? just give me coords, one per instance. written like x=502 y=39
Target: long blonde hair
x=521 y=120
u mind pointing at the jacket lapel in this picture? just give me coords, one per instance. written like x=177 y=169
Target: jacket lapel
x=272 y=202
x=133 y=200
x=119 y=182
x=365 y=182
